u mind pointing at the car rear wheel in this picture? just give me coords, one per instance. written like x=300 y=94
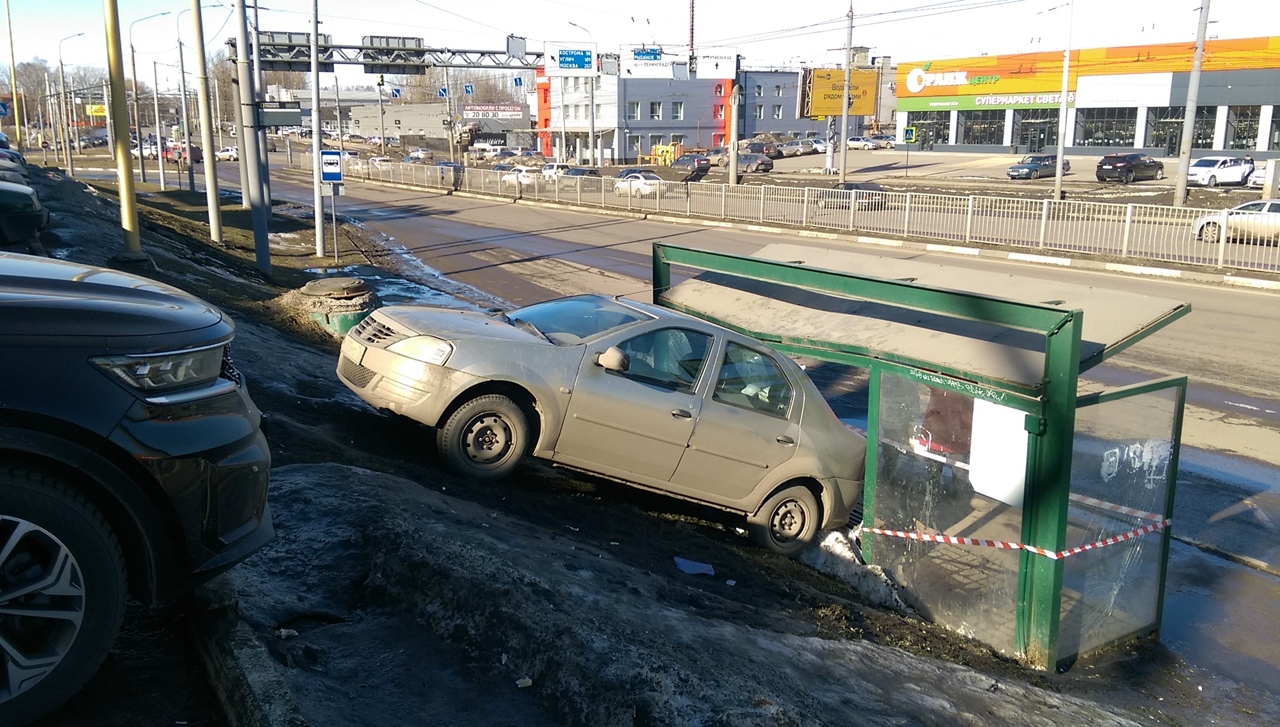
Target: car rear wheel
x=62 y=589
x=822 y=203
x=485 y=438
x=1211 y=232
x=1101 y=178
x=1128 y=177
x=787 y=522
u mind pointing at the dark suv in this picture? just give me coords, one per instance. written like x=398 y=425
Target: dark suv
x=131 y=461
x=765 y=148
x=1129 y=168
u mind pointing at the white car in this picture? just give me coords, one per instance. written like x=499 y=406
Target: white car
x=555 y=169
x=1212 y=171
x=1259 y=174
x=638 y=184
x=227 y=154
x=1257 y=221
x=863 y=142
x=380 y=161
x=819 y=146
x=520 y=176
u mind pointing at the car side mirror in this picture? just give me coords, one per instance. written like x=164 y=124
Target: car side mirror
x=613 y=359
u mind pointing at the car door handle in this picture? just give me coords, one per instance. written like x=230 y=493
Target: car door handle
x=784 y=439
x=681 y=414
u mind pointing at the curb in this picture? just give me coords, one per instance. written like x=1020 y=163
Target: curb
x=1077 y=263
x=243 y=673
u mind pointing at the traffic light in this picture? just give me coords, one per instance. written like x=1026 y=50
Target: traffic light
x=379 y=79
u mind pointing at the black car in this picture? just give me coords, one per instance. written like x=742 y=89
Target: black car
x=692 y=163
x=1129 y=168
x=22 y=217
x=132 y=462
x=451 y=172
x=869 y=196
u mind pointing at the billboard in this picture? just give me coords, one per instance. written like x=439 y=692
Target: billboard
x=493 y=111
x=717 y=62
x=570 y=59
x=824 y=92
x=652 y=62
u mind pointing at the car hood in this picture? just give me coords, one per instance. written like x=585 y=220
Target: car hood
x=44 y=297
x=454 y=325
x=1017 y=167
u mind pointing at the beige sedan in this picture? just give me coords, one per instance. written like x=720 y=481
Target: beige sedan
x=634 y=392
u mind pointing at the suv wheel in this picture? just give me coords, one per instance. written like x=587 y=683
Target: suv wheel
x=62 y=589
x=485 y=438
x=787 y=522
x=1213 y=181
x=1128 y=177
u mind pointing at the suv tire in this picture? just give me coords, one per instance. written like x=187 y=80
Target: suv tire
x=484 y=438
x=61 y=553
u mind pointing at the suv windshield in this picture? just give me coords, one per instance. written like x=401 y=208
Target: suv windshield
x=567 y=321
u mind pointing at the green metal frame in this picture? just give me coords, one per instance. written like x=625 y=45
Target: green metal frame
x=1050 y=405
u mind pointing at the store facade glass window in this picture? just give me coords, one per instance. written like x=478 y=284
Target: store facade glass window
x=1242 y=127
x=1274 y=144
x=932 y=127
x=677 y=138
x=1164 y=128
x=655 y=140
x=1035 y=130
x=981 y=127
x=1106 y=127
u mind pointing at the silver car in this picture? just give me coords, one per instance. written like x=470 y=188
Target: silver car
x=1252 y=222
x=634 y=392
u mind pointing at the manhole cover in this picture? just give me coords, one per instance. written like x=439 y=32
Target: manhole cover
x=335 y=287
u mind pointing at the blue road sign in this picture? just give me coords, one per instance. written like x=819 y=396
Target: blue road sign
x=395 y=93
x=518 y=81
x=580 y=59
x=4 y=109
x=443 y=93
x=909 y=135
x=647 y=54
x=330 y=165
x=468 y=88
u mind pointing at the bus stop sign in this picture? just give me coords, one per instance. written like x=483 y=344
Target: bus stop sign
x=331 y=166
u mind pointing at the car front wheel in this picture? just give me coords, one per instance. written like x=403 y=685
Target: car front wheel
x=62 y=589
x=1159 y=173
x=787 y=522
x=1213 y=181
x=1211 y=232
x=485 y=438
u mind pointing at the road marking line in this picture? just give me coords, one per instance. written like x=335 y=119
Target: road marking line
x=1251 y=282
x=954 y=249
x=762 y=228
x=1046 y=259
x=1140 y=270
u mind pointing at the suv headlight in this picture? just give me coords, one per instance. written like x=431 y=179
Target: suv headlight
x=157 y=372
x=427 y=349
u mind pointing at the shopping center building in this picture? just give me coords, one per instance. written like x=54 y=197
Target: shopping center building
x=1119 y=99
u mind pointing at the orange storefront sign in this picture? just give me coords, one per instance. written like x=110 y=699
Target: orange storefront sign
x=1032 y=73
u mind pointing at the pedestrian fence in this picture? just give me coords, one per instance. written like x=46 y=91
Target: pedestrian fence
x=1143 y=233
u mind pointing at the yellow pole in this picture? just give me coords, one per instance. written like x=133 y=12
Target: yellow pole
x=120 y=124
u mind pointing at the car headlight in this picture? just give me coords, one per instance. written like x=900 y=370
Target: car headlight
x=427 y=349
x=156 y=372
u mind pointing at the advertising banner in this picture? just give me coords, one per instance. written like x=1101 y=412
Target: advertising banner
x=824 y=90
x=569 y=59
x=990 y=101
x=646 y=62
x=493 y=111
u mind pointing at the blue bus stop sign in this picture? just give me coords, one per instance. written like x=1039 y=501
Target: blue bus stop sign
x=331 y=166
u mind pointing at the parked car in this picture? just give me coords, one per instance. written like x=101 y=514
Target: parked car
x=503 y=167
x=521 y=176
x=551 y=170
x=451 y=172
x=146 y=151
x=754 y=163
x=22 y=216
x=1215 y=170
x=885 y=141
x=628 y=171
x=641 y=184
x=692 y=163
x=631 y=391
x=1259 y=175
x=718 y=155
x=796 y=147
x=1035 y=166
x=765 y=148
x=1128 y=168
x=868 y=195
x=502 y=154
x=585 y=178
x=1257 y=221
x=819 y=145
x=227 y=154
x=14 y=155
x=863 y=142
x=132 y=462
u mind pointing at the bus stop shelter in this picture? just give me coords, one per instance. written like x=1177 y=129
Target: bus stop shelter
x=1009 y=504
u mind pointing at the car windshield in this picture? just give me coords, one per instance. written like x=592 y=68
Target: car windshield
x=1033 y=160
x=1205 y=163
x=568 y=321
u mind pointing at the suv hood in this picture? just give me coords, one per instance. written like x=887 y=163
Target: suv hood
x=44 y=297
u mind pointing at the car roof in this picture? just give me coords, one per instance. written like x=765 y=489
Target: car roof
x=15 y=187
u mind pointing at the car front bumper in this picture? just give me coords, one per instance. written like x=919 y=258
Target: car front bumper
x=390 y=382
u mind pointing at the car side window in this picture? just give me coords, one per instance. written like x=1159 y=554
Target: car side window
x=751 y=380
x=1274 y=208
x=1252 y=207
x=669 y=357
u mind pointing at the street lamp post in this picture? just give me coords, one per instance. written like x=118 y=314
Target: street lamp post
x=13 y=76
x=591 y=91
x=155 y=97
x=62 y=100
x=137 y=102
x=1060 y=162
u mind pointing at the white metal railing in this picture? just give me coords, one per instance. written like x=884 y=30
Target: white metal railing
x=1217 y=238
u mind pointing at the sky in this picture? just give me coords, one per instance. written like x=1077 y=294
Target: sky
x=800 y=33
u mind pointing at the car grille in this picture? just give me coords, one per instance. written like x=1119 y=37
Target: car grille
x=377 y=334
x=229 y=370
x=354 y=372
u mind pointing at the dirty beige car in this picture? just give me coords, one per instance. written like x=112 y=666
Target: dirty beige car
x=631 y=391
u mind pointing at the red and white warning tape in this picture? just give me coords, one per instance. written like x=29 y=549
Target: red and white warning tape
x=952 y=540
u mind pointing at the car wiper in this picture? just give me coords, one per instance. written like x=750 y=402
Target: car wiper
x=526 y=325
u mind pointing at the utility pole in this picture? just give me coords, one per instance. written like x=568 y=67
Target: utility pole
x=1060 y=161
x=844 y=114
x=186 y=124
x=212 y=200
x=1193 y=99
x=382 y=122
x=237 y=113
x=13 y=76
x=259 y=206
x=735 y=100
x=217 y=110
x=137 y=101
x=155 y=97
x=317 y=199
x=453 y=128
x=337 y=113
x=260 y=94
x=120 y=121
